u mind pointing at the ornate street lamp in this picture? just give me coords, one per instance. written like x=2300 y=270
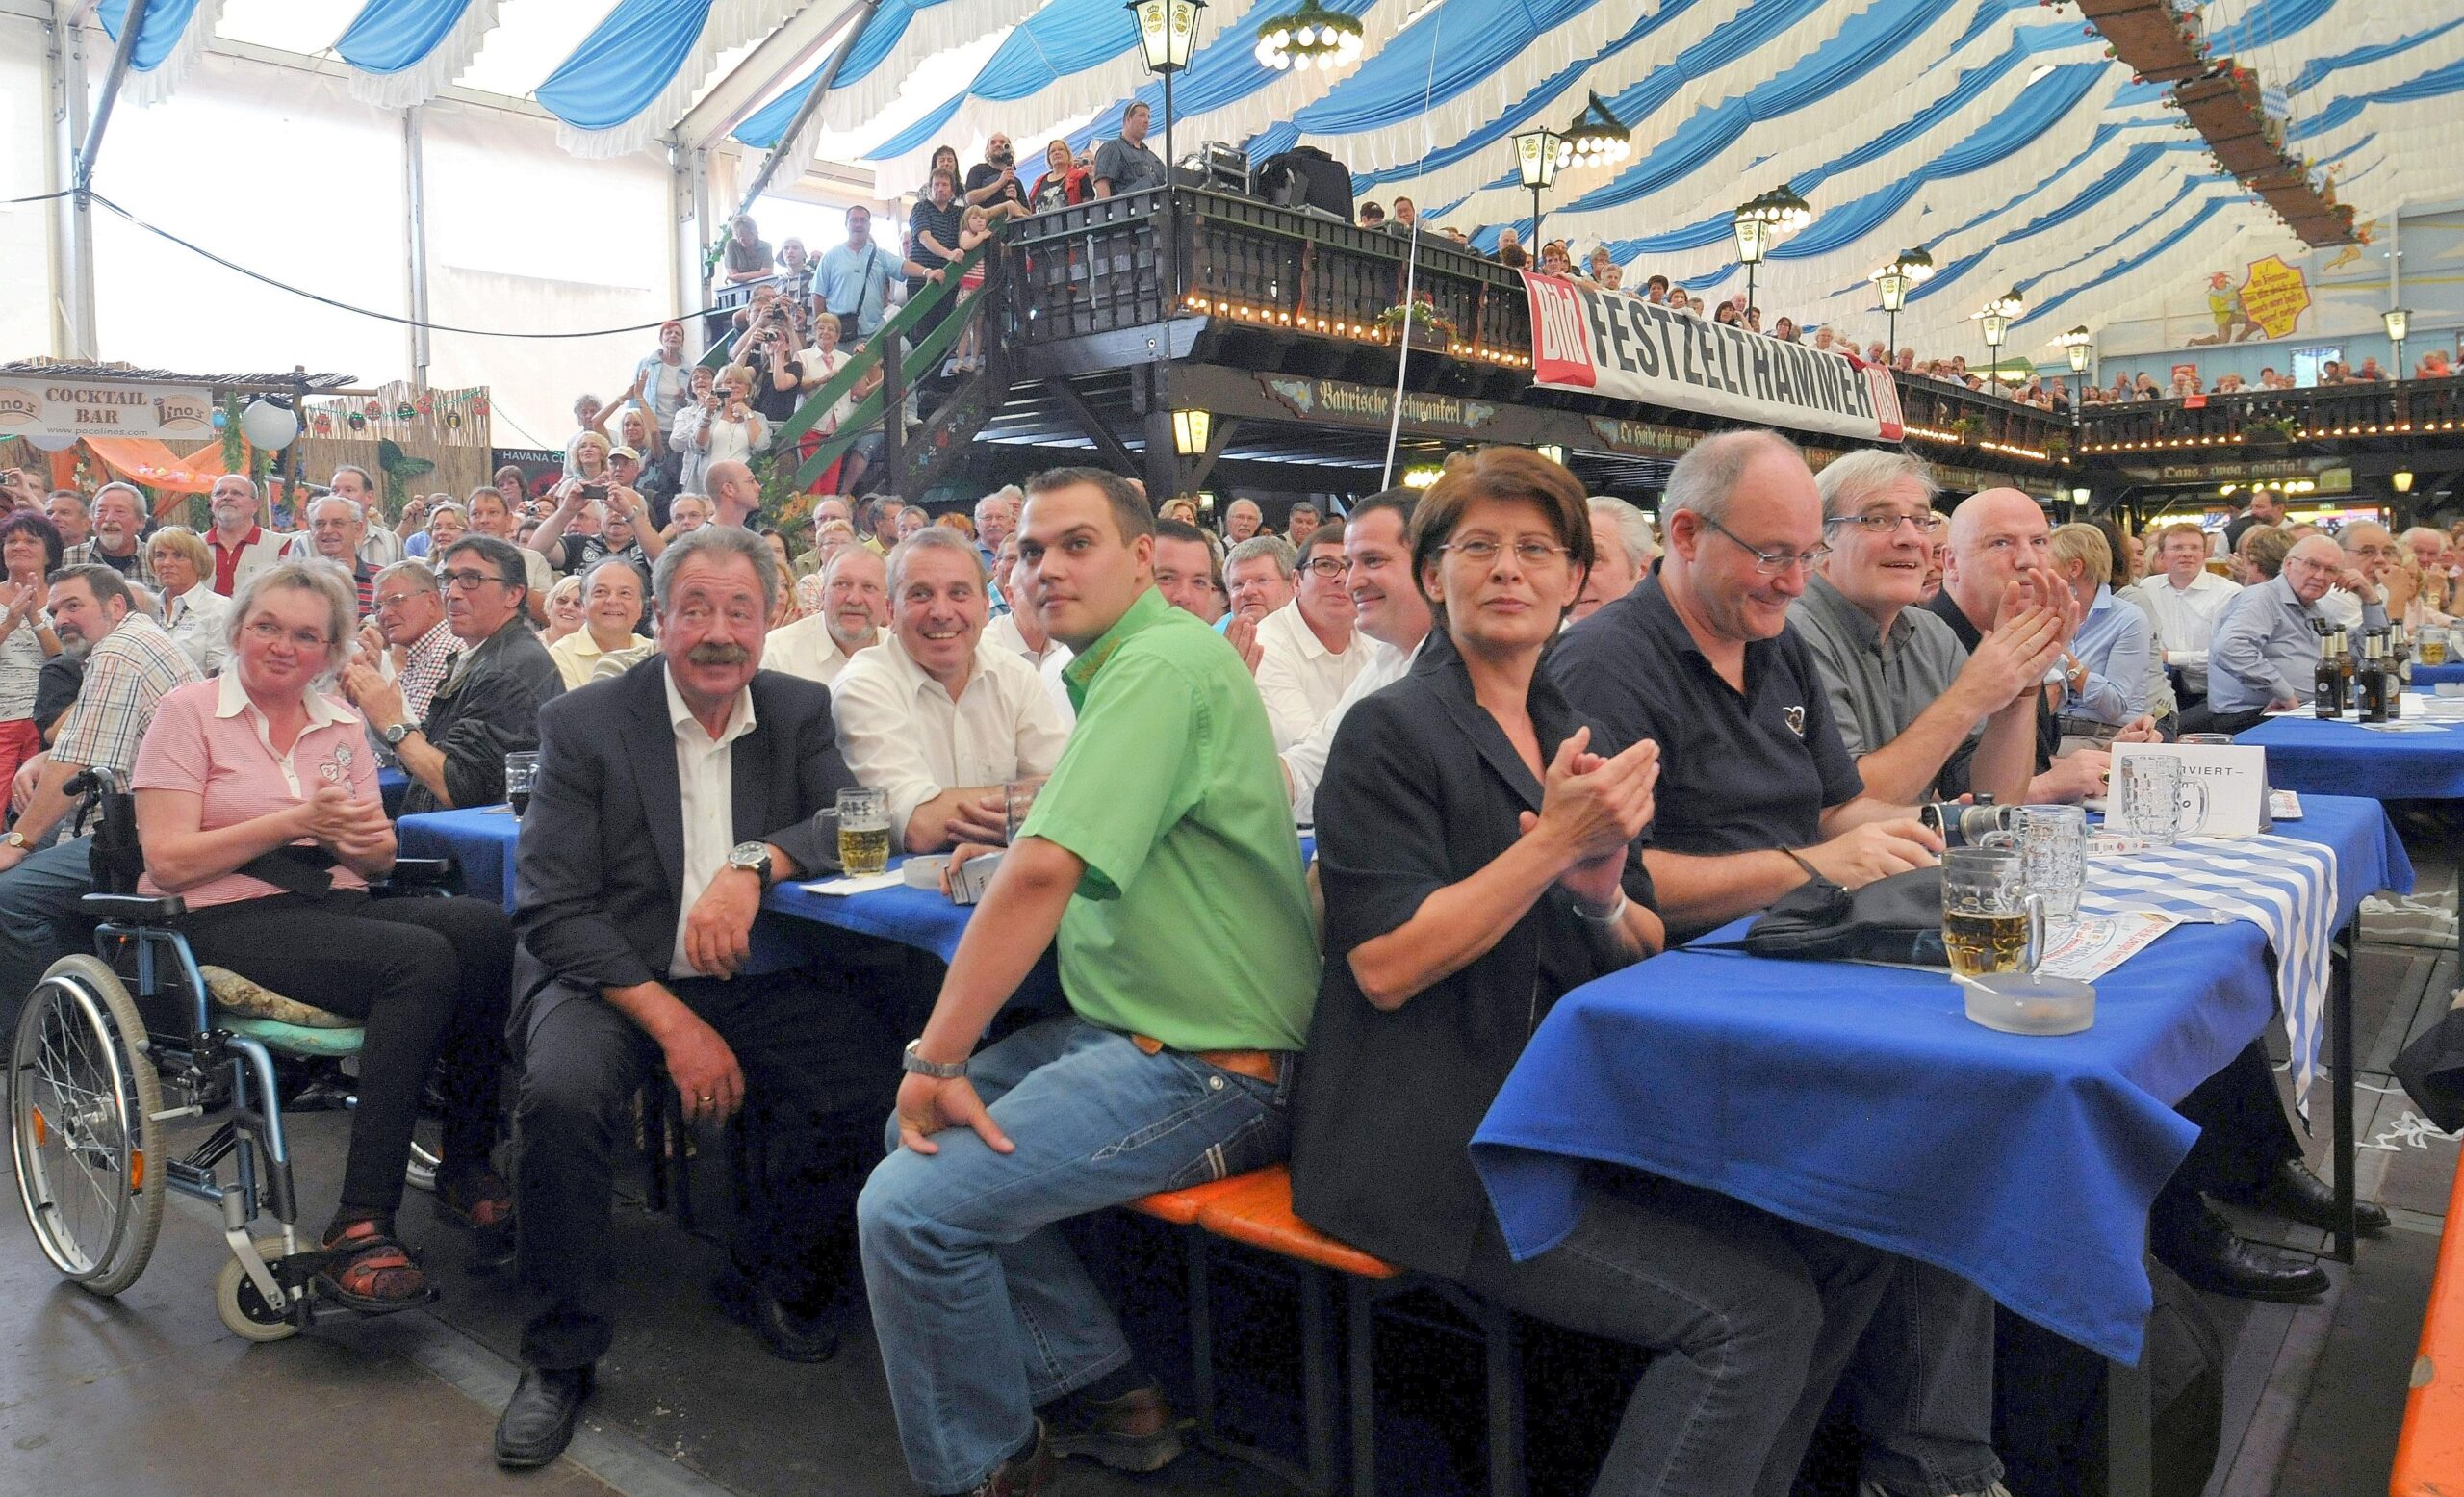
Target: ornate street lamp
x=1311 y=37
x=1191 y=430
x=2398 y=322
x=1535 y=154
x=1762 y=222
x=1168 y=32
x=1910 y=270
x=1998 y=316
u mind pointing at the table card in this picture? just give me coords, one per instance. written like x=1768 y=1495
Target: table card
x=2233 y=776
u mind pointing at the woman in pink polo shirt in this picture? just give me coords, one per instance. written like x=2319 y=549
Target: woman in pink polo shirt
x=257 y=804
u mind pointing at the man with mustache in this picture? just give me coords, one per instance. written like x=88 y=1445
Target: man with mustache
x=488 y=705
x=855 y=610
x=939 y=717
x=669 y=799
x=119 y=516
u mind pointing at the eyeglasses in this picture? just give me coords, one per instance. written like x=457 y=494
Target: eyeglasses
x=267 y=632
x=469 y=581
x=1771 y=563
x=1482 y=551
x=1326 y=566
x=1885 y=522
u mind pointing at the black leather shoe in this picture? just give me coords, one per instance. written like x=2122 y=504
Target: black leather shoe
x=789 y=1334
x=1134 y=1431
x=2296 y=1194
x=538 y=1421
x=2209 y=1256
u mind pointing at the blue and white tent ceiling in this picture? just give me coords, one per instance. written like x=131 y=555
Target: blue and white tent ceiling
x=1995 y=132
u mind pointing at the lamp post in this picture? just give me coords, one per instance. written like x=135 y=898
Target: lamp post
x=1998 y=316
x=1168 y=32
x=1761 y=222
x=1910 y=270
x=2399 y=321
x=1535 y=154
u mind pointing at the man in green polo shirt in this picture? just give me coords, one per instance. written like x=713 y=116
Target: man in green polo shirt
x=1161 y=858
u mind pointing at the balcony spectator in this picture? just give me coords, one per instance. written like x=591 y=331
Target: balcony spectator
x=1510 y=249
x=66 y=509
x=992 y=184
x=1062 y=184
x=2146 y=389
x=933 y=243
x=1876 y=354
x=1824 y=339
x=1727 y=315
x=2434 y=365
x=795 y=272
x=1125 y=164
x=665 y=377
x=1596 y=264
x=1553 y=260
x=1656 y=289
x=747 y=256
x=2369 y=372
x=853 y=282
x=1784 y=329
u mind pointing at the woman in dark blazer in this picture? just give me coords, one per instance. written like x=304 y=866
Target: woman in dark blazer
x=1480 y=848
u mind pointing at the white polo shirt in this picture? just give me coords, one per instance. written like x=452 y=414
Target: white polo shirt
x=902 y=734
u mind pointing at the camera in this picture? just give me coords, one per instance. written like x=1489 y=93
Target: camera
x=1964 y=824
x=594 y=492
x=1009 y=158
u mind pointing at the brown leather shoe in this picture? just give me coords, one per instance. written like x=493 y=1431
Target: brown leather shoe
x=1135 y=1431
x=1023 y=1475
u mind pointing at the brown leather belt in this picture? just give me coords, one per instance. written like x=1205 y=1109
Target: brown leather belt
x=1257 y=1065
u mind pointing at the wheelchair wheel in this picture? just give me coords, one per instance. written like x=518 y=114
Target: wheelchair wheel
x=82 y=1103
x=242 y=1307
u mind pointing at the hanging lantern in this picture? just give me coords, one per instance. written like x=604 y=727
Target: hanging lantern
x=50 y=442
x=1595 y=139
x=269 y=425
x=1311 y=37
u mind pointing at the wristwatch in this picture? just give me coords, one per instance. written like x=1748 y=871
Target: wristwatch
x=395 y=734
x=939 y=1070
x=754 y=858
x=16 y=839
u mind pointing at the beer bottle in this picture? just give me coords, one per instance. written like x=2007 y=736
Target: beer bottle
x=2374 y=675
x=2399 y=669
x=2327 y=691
x=2342 y=648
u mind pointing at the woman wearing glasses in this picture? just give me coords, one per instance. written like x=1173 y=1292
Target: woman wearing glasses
x=257 y=804
x=1479 y=843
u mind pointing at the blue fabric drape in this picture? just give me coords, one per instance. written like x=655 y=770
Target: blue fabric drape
x=1064 y=38
x=763 y=128
x=2317 y=70
x=2129 y=262
x=2267 y=23
x=1473 y=37
x=394 y=36
x=1221 y=72
x=880 y=36
x=626 y=64
x=166 y=20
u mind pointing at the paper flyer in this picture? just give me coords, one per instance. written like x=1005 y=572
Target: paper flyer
x=2087 y=949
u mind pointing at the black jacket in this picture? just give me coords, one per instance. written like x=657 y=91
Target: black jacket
x=1421 y=790
x=598 y=872
x=488 y=707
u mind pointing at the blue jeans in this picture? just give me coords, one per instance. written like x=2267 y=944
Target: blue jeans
x=981 y=1311
x=38 y=910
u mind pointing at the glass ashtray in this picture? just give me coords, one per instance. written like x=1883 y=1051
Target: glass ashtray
x=2028 y=1003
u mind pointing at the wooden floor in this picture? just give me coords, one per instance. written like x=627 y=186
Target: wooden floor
x=148 y=1397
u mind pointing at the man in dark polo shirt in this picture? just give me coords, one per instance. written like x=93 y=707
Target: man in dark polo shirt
x=1757 y=792
x=1757 y=795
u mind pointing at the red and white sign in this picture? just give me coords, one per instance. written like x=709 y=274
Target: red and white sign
x=1614 y=343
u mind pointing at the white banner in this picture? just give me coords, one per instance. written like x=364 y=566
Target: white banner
x=33 y=406
x=1613 y=343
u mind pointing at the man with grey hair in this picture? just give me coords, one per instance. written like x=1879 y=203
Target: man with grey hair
x=855 y=610
x=2265 y=650
x=937 y=717
x=119 y=522
x=67 y=510
x=1759 y=796
x=1923 y=717
x=1300 y=523
x=378 y=546
x=336 y=526
x=1258 y=576
x=2371 y=588
x=996 y=516
x=1240 y=521
x=241 y=546
x=1622 y=551
x=407 y=636
x=488 y=705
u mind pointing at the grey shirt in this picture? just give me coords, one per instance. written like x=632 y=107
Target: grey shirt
x=2265 y=649
x=1126 y=167
x=1877 y=686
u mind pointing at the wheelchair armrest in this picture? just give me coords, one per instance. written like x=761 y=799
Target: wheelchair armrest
x=133 y=909
x=416 y=875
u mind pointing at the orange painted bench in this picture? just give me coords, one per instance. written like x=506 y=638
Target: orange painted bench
x=2429 y=1453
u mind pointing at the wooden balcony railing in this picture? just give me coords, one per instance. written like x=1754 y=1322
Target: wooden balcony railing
x=2274 y=418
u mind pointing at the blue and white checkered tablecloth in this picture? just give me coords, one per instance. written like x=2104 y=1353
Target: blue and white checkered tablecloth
x=2285 y=885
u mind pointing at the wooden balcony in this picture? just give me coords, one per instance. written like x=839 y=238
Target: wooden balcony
x=2391 y=413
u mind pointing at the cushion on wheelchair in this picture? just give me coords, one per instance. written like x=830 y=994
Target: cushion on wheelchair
x=132 y=909
x=294 y=1039
x=234 y=993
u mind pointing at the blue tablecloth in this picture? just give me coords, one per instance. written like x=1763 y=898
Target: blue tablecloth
x=480 y=841
x=2337 y=758
x=2425 y=677
x=390 y=786
x=1861 y=1100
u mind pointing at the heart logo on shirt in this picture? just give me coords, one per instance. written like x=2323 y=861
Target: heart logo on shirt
x=1796 y=718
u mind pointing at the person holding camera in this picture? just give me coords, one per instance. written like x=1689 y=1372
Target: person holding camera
x=722 y=427
x=992 y=183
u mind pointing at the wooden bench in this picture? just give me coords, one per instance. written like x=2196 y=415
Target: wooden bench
x=2429 y=1453
x=1255 y=1211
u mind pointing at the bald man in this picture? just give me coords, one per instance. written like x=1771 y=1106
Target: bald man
x=2266 y=651
x=736 y=495
x=2002 y=546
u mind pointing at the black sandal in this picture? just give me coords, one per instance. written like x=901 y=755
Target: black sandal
x=372 y=1273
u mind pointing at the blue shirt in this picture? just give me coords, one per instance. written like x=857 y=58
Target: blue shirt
x=2264 y=651
x=856 y=281
x=666 y=386
x=2117 y=645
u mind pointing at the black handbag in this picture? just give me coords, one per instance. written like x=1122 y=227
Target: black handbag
x=1897 y=919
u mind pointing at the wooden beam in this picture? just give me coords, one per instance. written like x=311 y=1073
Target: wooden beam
x=1092 y=425
x=1219 y=436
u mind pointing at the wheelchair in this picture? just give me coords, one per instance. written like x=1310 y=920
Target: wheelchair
x=113 y=1046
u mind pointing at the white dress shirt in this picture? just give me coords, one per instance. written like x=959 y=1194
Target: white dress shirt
x=1299 y=676
x=2185 y=618
x=1305 y=761
x=198 y=621
x=2343 y=607
x=705 y=790
x=902 y=733
x=1003 y=630
x=804 y=648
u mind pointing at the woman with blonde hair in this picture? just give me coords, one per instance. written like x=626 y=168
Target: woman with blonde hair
x=194 y=613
